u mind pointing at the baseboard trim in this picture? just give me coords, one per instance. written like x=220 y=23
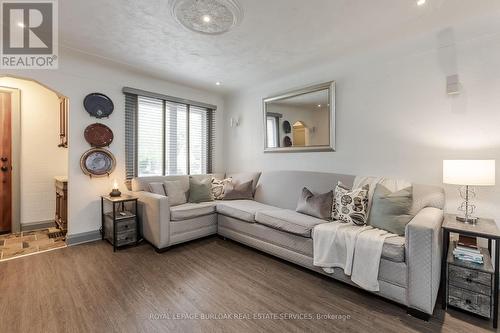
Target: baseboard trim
x=84 y=237
x=38 y=225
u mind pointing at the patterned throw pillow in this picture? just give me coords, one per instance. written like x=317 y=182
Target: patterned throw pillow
x=350 y=205
x=218 y=187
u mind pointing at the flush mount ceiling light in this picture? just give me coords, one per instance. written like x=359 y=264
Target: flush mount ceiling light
x=210 y=17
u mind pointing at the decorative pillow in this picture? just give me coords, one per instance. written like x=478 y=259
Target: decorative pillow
x=391 y=211
x=218 y=187
x=350 y=205
x=243 y=177
x=319 y=205
x=239 y=191
x=157 y=188
x=200 y=190
x=175 y=190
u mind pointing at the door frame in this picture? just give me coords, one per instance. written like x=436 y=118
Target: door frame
x=16 y=156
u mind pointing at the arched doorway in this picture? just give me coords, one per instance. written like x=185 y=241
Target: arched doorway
x=33 y=158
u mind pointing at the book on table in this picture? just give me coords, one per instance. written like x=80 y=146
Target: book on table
x=467 y=242
x=468 y=256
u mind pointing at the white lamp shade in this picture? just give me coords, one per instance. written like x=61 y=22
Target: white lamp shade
x=469 y=172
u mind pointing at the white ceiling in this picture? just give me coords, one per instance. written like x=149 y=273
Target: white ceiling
x=275 y=37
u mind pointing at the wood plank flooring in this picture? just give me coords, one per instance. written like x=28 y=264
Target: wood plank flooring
x=88 y=288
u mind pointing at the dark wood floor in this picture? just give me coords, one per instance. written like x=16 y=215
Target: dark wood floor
x=88 y=288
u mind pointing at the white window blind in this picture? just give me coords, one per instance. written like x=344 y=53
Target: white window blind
x=176 y=128
x=198 y=140
x=165 y=137
x=150 y=136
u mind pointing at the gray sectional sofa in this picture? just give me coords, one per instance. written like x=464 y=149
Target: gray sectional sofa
x=409 y=270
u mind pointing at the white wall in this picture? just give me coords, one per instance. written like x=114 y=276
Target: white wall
x=79 y=75
x=394 y=117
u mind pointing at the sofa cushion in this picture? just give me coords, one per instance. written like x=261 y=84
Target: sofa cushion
x=157 y=188
x=288 y=220
x=218 y=187
x=350 y=206
x=243 y=177
x=394 y=249
x=317 y=205
x=175 y=192
x=391 y=210
x=242 y=209
x=200 y=190
x=239 y=191
x=191 y=210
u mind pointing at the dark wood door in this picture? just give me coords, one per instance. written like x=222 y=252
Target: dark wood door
x=5 y=162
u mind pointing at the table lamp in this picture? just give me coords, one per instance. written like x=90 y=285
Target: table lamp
x=468 y=173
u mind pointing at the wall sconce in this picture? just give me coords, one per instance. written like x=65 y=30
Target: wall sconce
x=453 y=85
x=234 y=122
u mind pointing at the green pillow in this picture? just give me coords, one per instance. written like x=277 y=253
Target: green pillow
x=200 y=190
x=390 y=211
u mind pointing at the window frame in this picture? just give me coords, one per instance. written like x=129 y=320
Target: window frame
x=132 y=130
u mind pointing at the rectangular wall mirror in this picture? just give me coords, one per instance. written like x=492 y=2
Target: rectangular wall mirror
x=301 y=120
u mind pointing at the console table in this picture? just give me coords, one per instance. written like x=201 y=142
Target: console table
x=476 y=278
x=61 y=217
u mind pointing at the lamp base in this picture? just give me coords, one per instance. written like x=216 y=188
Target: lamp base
x=467 y=219
x=115 y=193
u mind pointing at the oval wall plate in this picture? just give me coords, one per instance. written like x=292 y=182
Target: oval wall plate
x=97 y=162
x=98 y=105
x=98 y=135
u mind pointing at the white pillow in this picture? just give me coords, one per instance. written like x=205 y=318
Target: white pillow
x=175 y=192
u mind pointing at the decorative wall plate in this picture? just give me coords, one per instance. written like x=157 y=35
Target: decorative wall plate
x=97 y=162
x=287 y=128
x=98 y=135
x=98 y=105
x=287 y=142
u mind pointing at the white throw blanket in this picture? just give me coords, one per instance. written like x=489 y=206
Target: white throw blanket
x=334 y=243
x=367 y=256
x=355 y=249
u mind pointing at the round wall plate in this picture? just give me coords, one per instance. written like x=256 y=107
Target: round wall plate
x=98 y=135
x=97 y=162
x=287 y=128
x=98 y=105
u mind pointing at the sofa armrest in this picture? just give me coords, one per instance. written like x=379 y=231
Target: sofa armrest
x=154 y=213
x=423 y=257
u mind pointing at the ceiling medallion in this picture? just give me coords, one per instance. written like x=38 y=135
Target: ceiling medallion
x=211 y=17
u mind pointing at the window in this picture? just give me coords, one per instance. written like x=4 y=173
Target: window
x=273 y=129
x=272 y=132
x=167 y=135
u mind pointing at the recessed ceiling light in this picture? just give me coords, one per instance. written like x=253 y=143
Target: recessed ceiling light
x=319 y=105
x=421 y=2
x=20 y=24
x=206 y=18
x=217 y=83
